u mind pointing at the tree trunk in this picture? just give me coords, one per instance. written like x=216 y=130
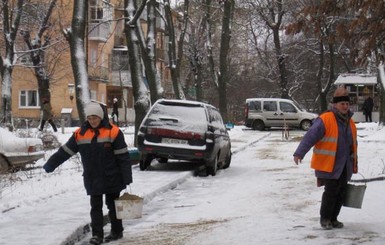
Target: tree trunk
x=11 y=21
x=325 y=91
x=149 y=53
x=281 y=64
x=76 y=37
x=141 y=100
x=224 y=51
x=214 y=75
x=37 y=48
x=381 y=91
x=173 y=62
x=320 y=73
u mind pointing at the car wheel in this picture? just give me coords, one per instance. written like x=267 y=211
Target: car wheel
x=258 y=125
x=305 y=125
x=145 y=162
x=211 y=168
x=4 y=165
x=227 y=160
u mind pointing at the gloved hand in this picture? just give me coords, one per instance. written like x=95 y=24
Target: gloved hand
x=48 y=168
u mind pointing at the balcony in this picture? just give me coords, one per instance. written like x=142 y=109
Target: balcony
x=98 y=31
x=98 y=73
x=120 y=59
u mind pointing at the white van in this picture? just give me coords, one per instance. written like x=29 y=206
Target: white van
x=261 y=113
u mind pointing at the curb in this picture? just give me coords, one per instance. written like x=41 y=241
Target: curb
x=80 y=233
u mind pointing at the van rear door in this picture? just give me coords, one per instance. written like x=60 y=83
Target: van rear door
x=253 y=110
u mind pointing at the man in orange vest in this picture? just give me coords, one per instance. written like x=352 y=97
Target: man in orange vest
x=106 y=167
x=334 y=137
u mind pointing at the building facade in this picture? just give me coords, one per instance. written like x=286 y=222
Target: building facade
x=107 y=59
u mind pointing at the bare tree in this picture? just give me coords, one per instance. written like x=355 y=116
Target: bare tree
x=272 y=13
x=228 y=10
x=322 y=24
x=367 y=32
x=174 y=64
x=76 y=36
x=11 y=21
x=37 y=51
x=141 y=100
x=148 y=49
x=209 y=25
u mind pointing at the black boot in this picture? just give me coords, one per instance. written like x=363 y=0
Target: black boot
x=326 y=224
x=95 y=240
x=113 y=236
x=337 y=224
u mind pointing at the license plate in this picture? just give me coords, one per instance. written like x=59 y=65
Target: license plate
x=174 y=141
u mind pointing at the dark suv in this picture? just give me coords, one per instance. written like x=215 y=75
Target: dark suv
x=184 y=130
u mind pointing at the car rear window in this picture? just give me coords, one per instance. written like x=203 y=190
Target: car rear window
x=255 y=105
x=188 y=117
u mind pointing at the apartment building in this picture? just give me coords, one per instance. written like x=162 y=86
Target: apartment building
x=108 y=68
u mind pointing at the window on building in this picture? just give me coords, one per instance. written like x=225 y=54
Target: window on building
x=93 y=95
x=100 y=10
x=120 y=59
x=93 y=56
x=96 y=11
x=29 y=98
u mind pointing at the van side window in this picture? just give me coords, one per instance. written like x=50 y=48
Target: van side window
x=269 y=105
x=287 y=107
x=255 y=105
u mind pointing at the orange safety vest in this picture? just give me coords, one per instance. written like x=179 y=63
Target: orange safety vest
x=324 y=152
x=105 y=135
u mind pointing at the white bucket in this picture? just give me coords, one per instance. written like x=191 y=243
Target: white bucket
x=354 y=195
x=129 y=206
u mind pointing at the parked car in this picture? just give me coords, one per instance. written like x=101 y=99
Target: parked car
x=16 y=153
x=261 y=113
x=184 y=130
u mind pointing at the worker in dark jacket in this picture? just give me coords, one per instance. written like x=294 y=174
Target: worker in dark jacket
x=368 y=108
x=106 y=167
x=46 y=110
x=115 y=112
x=334 y=137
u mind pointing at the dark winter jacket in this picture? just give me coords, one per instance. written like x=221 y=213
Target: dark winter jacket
x=115 y=110
x=104 y=154
x=343 y=157
x=368 y=105
x=47 y=110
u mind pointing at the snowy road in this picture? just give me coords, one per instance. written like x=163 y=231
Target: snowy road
x=263 y=198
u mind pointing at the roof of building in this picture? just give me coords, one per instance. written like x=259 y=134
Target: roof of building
x=356 y=79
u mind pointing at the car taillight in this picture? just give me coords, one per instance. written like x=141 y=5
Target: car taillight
x=246 y=110
x=199 y=154
x=31 y=148
x=148 y=148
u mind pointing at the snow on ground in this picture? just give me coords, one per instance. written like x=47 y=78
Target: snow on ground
x=263 y=198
